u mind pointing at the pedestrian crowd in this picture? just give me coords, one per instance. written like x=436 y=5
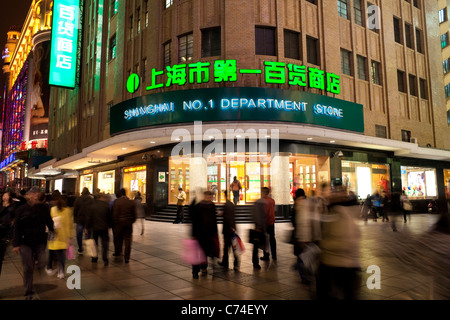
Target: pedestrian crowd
x=46 y=230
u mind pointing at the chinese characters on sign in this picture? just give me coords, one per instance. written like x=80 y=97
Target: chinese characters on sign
x=227 y=71
x=63 y=61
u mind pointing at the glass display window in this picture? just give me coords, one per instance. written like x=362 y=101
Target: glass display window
x=307 y=172
x=178 y=177
x=88 y=182
x=106 y=182
x=419 y=183
x=447 y=182
x=365 y=178
x=134 y=180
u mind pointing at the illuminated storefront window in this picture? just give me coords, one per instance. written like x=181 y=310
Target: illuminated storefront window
x=88 y=182
x=365 y=178
x=447 y=182
x=419 y=183
x=178 y=177
x=106 y=182
x=134 y=180
x=308 y=172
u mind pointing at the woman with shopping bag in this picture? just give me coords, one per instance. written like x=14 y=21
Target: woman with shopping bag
x=62 y=217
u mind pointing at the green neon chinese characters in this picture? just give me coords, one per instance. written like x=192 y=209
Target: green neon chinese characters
x=223 y=71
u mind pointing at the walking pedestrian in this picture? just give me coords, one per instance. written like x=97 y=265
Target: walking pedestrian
x=79 y=213
x=376 y=204
x=98 y=223
x=406 y=206
x=260 y=220
x=140 y=211
x=62 y=216
x=307 y=230
x=30 y=236
x=181 y=201
x=367 y=208
x=228 y=230
x=384 y=206
x=124 y=215
x=339 y=273
x=204 y=229
x=236 y=189
x=270 y=226
x=7 y=214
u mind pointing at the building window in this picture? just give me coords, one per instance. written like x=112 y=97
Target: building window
x=112 y=47
x=291 y=44
x=412 y=85
x=444 y=40
x=265 y=41
x=114 y=7
x=131 y=27
x=448 y=117
x=375 y=71
x=362 y=67
x=358 y=12
x=144 y=69
x=343 y=8
x=419 y=42
x=346 y=67
x=167 y=54
x=409 y=36
x=447 y=91
x=406 y=136
x=211 y=42
x=380 y=131
x=146 y=13
x=443 y=15
x=138 y=20
x=312 y=50
x=416 y=4
x=168 y=3
x=446 y=66
x=185 y=48
x=397 y=30
x=423 y=89
x=419 y=183
x=401 y=81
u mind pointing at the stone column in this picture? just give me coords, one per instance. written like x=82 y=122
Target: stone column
x=198 y=179
x=280 y=188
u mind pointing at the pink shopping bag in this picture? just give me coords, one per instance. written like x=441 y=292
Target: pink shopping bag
x=192 y=253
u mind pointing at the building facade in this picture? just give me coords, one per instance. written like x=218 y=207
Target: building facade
x=27 y=93
x=283 y=94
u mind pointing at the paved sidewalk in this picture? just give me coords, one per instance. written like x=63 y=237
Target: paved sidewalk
x=156 y=272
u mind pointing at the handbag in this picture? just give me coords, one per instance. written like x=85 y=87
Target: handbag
x=238 y=245
x=70 y=252
x=192 y=253
x=407 y=206
x=91 y=247
x=257 y=238
x=310 y=258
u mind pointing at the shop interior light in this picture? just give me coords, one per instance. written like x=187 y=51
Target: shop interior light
x=152 y=142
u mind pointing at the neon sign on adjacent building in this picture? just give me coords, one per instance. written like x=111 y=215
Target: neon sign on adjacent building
x=227 y=71
x=65 y=27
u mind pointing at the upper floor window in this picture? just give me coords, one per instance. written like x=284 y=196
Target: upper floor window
x=443 y=15
x=114 y=7
x=211 y=42
x=265 y=41
x=185 y=48
x=343 y=8
x=291 y=44
x=168 y=3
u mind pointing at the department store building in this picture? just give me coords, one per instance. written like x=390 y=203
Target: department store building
x=191 y=93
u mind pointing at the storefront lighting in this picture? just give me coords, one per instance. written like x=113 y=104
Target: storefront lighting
x=152 y=142
x=332 y=141
x=309 y=139
x=124 y=148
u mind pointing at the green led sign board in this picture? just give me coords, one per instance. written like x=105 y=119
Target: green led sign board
x=223 y=71
x=64 y=43
x=235 y=104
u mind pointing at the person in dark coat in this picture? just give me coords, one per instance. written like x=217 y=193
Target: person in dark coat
x=30 y=236
x=124 y=215
x=7 y=214
x=259 y=218
x=204 y=229
x=80 y=209
x=98 y=222
x=228 y=230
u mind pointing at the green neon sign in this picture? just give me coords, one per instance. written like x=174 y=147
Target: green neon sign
x=63 y=58
x=223 y=71
x=133 y=83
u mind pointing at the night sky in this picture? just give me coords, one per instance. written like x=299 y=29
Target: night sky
x=13 y=12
